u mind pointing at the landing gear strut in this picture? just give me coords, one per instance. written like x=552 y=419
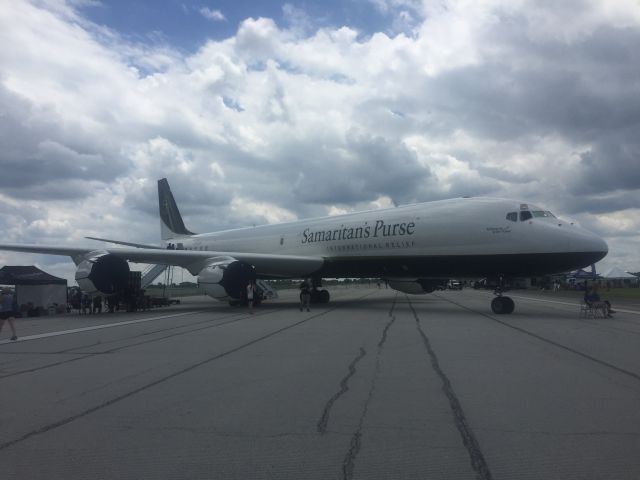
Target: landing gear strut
x=501 y=305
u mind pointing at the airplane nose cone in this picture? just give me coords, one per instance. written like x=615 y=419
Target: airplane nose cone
x=601 y=245
x=590 y=244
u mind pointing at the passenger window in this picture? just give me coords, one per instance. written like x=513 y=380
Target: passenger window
x=525 y=215
x=512 y=216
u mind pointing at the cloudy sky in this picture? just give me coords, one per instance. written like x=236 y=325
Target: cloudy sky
x=262 y=111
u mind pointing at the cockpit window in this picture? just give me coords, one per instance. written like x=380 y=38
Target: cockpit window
x=525 y=215
x=546 y=214
x=513 y=216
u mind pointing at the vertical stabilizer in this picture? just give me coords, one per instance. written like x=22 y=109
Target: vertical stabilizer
x=171 y=224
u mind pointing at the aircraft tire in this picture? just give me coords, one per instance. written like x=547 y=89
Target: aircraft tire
x=324 y=296
x=502 y=305
x=510 y=304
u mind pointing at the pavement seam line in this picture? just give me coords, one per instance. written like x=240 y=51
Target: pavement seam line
x=131 y=393
x=550 y=342
x=85 y=355
x=159 y=381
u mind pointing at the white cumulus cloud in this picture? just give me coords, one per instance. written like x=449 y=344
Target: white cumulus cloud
x=521 y=99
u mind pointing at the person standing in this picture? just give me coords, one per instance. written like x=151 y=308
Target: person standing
x=97 y=304
x=305 y=295
x=7 y=311
x=86 y=304
x=251 y=292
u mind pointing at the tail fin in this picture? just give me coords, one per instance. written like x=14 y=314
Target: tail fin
x=171 y=224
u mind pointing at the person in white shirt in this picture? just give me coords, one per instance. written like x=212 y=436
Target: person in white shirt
x=7 y=311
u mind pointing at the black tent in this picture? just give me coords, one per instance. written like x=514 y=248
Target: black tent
x=27 y=275
x=36 y=291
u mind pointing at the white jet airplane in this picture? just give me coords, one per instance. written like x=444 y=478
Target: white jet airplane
x=415 y=248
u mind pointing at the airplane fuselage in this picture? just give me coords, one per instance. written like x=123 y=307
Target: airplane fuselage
x=464 y=237
x=414 y=247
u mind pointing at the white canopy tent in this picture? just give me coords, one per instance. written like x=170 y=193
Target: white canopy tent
x=619 y=277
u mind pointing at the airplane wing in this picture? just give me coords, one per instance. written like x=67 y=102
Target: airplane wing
x=266 y=264
x=128 y=244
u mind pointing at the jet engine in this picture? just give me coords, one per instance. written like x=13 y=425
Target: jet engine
x=102 y=272
x=226 y=279
x=416 y=287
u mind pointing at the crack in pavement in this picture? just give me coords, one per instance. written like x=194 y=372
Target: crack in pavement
x=469 y=440
x=349 y=462
x=344 y=388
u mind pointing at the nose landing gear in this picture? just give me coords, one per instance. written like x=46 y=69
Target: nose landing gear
x=501 y=305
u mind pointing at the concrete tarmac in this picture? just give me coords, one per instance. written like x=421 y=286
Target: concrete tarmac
x=376 y=384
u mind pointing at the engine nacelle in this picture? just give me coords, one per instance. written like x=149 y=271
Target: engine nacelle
x=102 y=272
x=408 y=286
x=226 y=279
x=416 y=287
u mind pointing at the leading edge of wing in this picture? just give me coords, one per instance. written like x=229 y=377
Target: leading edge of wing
x=128 y=244
x=194 y=261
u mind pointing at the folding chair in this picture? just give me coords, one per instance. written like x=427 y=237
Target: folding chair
x=592 y=311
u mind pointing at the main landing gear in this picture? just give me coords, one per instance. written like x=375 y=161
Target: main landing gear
x=319 y=296
x=501 y=305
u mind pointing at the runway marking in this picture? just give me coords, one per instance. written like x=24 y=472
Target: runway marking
x=94 y=327
x=187 y=329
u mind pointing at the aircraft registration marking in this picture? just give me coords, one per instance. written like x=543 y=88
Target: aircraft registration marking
x=499 y=229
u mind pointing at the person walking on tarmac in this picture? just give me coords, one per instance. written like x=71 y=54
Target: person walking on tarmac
x=7 y=310
x=305 y=295
x=251 y=293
